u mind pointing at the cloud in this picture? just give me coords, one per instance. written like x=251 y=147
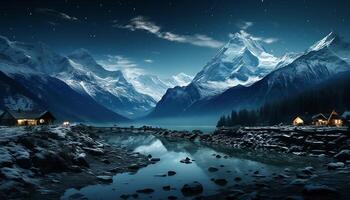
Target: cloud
x=118 y=62
x=55 y=13
x=142 y=23
x=267 y=40
x=244 y=25
x=148 y=61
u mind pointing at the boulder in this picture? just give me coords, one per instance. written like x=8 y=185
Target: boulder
x=145 y=191
x=171 y=173
x=191 y=189
x=6 y=158
x=106 y=179
x=187 y=160
x=336 y=165
x=48 y=161
x=80 y=160
x=220 y=181
x=166 y=188
x=343 y=155
x=213 y=169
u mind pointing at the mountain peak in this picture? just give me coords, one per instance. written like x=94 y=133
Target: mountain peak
x=242 y=41
x=324 y=42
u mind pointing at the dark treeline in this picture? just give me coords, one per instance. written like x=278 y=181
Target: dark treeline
x=324 y=98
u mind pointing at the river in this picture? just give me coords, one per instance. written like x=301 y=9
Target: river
x=251 y=167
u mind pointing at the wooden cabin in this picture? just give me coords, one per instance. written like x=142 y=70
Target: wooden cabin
x=334 y=119
x=298 y=121
x=319 y=120
x=26 y=118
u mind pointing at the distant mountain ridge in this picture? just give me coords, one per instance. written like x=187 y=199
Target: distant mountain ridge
x=36 y=65
x=291 y=75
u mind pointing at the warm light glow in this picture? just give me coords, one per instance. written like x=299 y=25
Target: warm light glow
x=298 y=121
x=66 y=123
x=27 y=122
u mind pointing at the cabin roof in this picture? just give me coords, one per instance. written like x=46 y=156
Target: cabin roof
x=319 y=116
x=334 y=115
x=27 y=114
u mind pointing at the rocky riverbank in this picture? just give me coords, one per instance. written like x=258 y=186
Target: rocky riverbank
x=330 y=145
x=42 y=162
x=312 y=141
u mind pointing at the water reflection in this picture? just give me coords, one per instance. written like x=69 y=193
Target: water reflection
x=171 y=152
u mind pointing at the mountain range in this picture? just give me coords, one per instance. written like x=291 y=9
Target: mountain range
x=73 y=87
x=246 y=77
x=242 y=75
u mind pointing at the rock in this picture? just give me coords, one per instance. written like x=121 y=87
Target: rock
x=135 y=196
x=134 y=167
x=6 y=159
x=94 y=151
x=298 y=182
x=307 y=170
x=256 y=172
x=106 y=161
x=104 y=178
x=238 y=179
x=171 y=173
x=318 y=191
x=149 y=156
x=22 y=157
x=343 y=155
x=220 y=181
x=10 y=173
x=80 y=159
x=336 y=165
x=167 y=188
x=145 y=191
x=187 y=160
x=48 y=161
x=213 y=169
x=172 y=197
x=75 y=168
x=191 y=189
x=155 y=159
x=218 y=156
x=124 y=196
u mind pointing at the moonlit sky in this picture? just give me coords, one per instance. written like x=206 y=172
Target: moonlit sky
x=167 y=37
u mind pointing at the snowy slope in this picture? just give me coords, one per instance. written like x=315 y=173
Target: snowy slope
x=156 y=87
x=109 y=88
x=318 y=64
x=79 y=70
x=242 y=61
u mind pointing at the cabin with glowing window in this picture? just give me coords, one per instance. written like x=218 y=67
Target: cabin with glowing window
x=26 y=118
x=319 y=120
x=334 y=119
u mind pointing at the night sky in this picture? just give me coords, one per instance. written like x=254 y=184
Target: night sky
x=167 y=37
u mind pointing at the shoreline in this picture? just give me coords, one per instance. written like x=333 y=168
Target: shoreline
x=54 y=159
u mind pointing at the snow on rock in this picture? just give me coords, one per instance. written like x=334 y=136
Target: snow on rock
x=60 y=131
x=242 y=61
x=5 y=157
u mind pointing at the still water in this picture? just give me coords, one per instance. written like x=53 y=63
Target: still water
x=235 y=164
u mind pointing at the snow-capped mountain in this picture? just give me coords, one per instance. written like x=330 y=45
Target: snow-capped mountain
x=291 y=75
x=324 y=60
x=242 y=61
x=36 y=64
x=156 y=87
x=109 y=88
